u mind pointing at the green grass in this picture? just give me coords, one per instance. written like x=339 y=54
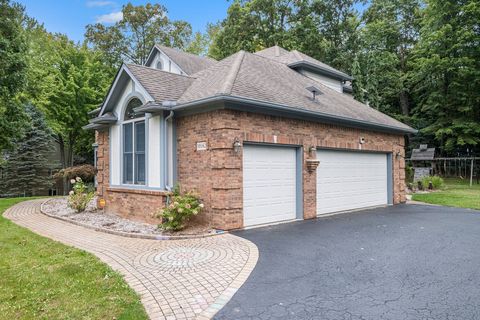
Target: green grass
x=44 y=279
x=456 y=193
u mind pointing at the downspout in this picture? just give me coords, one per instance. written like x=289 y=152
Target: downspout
x=167 y=158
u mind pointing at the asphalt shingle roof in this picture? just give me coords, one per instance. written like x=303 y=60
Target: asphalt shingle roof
x=294 y=57
x=260 y=79
x=188 y=62
x=161 y=85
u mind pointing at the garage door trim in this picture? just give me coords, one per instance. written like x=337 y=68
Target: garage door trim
x=298 y=171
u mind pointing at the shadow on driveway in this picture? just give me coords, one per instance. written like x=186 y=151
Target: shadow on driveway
x=400 y=262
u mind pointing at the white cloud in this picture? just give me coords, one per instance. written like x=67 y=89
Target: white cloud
x=92 y=4
x=110 y=17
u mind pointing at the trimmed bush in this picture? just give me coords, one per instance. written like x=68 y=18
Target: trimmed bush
x=86 y=172
x=181 y=207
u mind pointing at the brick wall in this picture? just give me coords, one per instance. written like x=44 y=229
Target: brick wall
x=217 y=172
x=139 y=205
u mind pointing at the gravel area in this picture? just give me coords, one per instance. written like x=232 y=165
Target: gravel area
x=97 y=218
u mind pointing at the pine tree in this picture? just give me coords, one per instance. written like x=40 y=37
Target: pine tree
x=27 y=168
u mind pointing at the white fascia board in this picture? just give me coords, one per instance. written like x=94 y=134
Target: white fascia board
x=122 y=69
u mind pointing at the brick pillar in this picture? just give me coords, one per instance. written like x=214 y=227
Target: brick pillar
x=103 y=162
x=309 y=186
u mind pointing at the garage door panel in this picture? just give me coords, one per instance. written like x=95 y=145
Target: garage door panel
x=350 y=180
x=269 y=184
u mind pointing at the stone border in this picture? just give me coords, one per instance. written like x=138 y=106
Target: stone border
x=230 y=291
x=128 y=234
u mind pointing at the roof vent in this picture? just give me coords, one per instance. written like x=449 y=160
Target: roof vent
x=315 y=92
x=423 y=147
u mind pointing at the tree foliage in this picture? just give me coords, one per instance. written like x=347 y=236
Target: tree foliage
x=446 y=74
x=66 y=81
x=13 y=67
x=27 y=168
x=131 y=38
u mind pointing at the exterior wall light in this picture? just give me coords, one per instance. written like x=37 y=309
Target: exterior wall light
x=237 y=146
x=398 y=156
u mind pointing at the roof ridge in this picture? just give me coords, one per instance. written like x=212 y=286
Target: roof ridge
x=160 y=46
x=296 y=53
x=232 y=74
x=158 y=70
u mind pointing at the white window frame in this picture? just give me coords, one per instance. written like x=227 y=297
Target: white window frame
x=122 y=167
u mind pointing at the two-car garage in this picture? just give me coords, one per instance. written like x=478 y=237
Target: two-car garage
x=346 y=180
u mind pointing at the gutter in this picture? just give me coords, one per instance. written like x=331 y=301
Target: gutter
x=287 y=109
x=167 y=158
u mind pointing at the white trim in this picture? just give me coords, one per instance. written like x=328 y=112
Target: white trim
x=122 y=69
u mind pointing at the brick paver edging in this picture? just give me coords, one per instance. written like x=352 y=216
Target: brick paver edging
x=178 y=279
x=128 y=234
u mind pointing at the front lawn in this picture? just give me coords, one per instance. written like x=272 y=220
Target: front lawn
x=456 y=193
x=44 y=279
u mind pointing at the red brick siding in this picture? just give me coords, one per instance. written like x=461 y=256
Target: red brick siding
x=217 y=172
x=139 y=205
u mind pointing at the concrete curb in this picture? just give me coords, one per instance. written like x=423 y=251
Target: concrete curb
x=128 y=234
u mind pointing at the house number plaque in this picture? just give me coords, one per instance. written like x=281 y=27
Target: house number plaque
x=201 y=146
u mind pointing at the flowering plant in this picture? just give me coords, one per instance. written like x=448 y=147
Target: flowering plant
x=80 y=196
x=179 y=209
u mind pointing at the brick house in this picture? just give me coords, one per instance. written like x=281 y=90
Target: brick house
x=263 y=137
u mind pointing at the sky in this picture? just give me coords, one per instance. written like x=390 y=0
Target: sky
x=71 y=16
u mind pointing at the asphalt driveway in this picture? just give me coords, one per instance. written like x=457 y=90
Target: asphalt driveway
x=401 y=262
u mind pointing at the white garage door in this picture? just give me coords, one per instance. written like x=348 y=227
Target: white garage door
x=350 y=180
x=268 y=184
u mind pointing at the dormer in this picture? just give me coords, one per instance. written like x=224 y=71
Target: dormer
x=176 y=61
x=310 y=67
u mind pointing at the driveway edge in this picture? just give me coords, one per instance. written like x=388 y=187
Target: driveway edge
x=229 y=292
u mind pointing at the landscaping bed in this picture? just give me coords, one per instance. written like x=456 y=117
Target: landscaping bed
x=58 y=207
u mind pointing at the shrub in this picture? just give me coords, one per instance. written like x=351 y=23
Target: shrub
x=86 y=172
x=181 y=207
x=80 y=196
x=437 y=182
x=409 y=173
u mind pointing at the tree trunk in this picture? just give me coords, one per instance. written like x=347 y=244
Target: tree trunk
x=404 y=103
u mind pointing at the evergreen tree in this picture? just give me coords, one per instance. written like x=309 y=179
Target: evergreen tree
x=447 y=75
x=27 y=167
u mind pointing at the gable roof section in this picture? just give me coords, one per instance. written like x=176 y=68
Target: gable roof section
x=161 y=85
x=255 y=78
x=297 y=59
x=189 y=63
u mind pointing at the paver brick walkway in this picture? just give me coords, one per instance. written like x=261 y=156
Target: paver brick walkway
x=176 y=279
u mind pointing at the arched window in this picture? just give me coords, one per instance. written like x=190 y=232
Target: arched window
x=133 y=144
x=159 y=65
x=129 y=113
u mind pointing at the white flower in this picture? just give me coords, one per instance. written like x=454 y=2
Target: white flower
x=79 y=179
x=201 y=205
x=195 y=212
x=71 y=193
x=180 y=210
x=72 y=181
